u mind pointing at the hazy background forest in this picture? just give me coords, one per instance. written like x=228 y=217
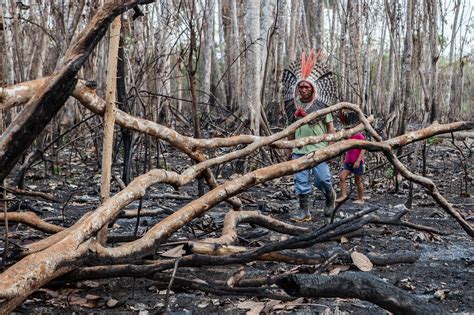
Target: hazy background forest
x=399 y=60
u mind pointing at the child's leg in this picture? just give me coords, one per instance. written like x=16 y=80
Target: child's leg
x=360 y=189
x=342 y=176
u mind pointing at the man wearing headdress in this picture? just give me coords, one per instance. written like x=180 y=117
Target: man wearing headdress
x=308 y=90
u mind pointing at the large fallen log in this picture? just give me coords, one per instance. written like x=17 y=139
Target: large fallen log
x=362 y=286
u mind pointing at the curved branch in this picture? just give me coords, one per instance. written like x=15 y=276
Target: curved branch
x=32 y=220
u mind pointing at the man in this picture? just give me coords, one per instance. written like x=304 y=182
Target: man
x=315 y=89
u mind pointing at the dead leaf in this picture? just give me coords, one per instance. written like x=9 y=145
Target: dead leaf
x=199 y=281
x=236 y=277
x=407 y=284
x=290 y=305
x=83 y=302
x=256 y=309
x=77 y=300
x=361 y=261
x=344 y=239
x=247 y=305
x=152 y=289
x=271 y=304
x=336 y=269
x=138 y=307
x=111 y=302
x=49 y=292
x=203 y=304
x=92 y=297
x=175 y=252
x=441 y=294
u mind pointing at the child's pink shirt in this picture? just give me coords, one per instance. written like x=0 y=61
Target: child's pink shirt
x=353 y=154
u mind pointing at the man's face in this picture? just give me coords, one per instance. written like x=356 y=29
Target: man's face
x=305 y=90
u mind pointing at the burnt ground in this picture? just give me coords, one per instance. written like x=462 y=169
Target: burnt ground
x=443 y=274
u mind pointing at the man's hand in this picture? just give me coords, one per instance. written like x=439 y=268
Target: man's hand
x=356 y=164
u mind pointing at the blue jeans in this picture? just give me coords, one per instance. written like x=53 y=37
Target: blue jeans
x=322 y=179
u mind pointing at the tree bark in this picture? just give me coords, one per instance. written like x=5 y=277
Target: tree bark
x=253 y=62
x=407 y=73
x=362 y=286
x=110 y=109
x=432 y=13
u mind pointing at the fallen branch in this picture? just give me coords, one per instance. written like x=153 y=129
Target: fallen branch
x=24 y=192
x=32 y=220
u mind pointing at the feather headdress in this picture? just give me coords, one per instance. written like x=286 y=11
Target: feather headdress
x=312 y=71
x=348 y=118
x=307 y=64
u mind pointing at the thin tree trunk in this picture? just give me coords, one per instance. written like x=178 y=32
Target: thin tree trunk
x=311 y=17
x=432 y=13
x=3 y=54
x=8 y=37
x=109 y=118
x=127 y=135
x=452 y=84
x=293 y=21
x=192 y=85
x=319 y=25
x=407 y=73
x=2 y=57
x=379 y=78
x=110 y=110
x=253 y=62
x=332 y=32
x=281 y=58
x=217 y=87
x=343 y=86
x=206 y=52
x=393 y=28
x=353 y=71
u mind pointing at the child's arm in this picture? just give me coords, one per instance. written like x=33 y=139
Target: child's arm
x=359 y=159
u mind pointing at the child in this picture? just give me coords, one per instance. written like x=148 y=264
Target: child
x=354 y=160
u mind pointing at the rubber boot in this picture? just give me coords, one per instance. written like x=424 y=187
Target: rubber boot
x=303 y=213
x=330 y=203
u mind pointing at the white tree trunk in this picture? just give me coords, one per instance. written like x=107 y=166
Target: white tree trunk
x=293 y=20
x=452 y=68
x=253 y=62
x=379 y=74
x=281 y=58
x=206 y=52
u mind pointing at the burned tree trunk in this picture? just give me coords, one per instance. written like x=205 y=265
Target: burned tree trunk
x=361 y=286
